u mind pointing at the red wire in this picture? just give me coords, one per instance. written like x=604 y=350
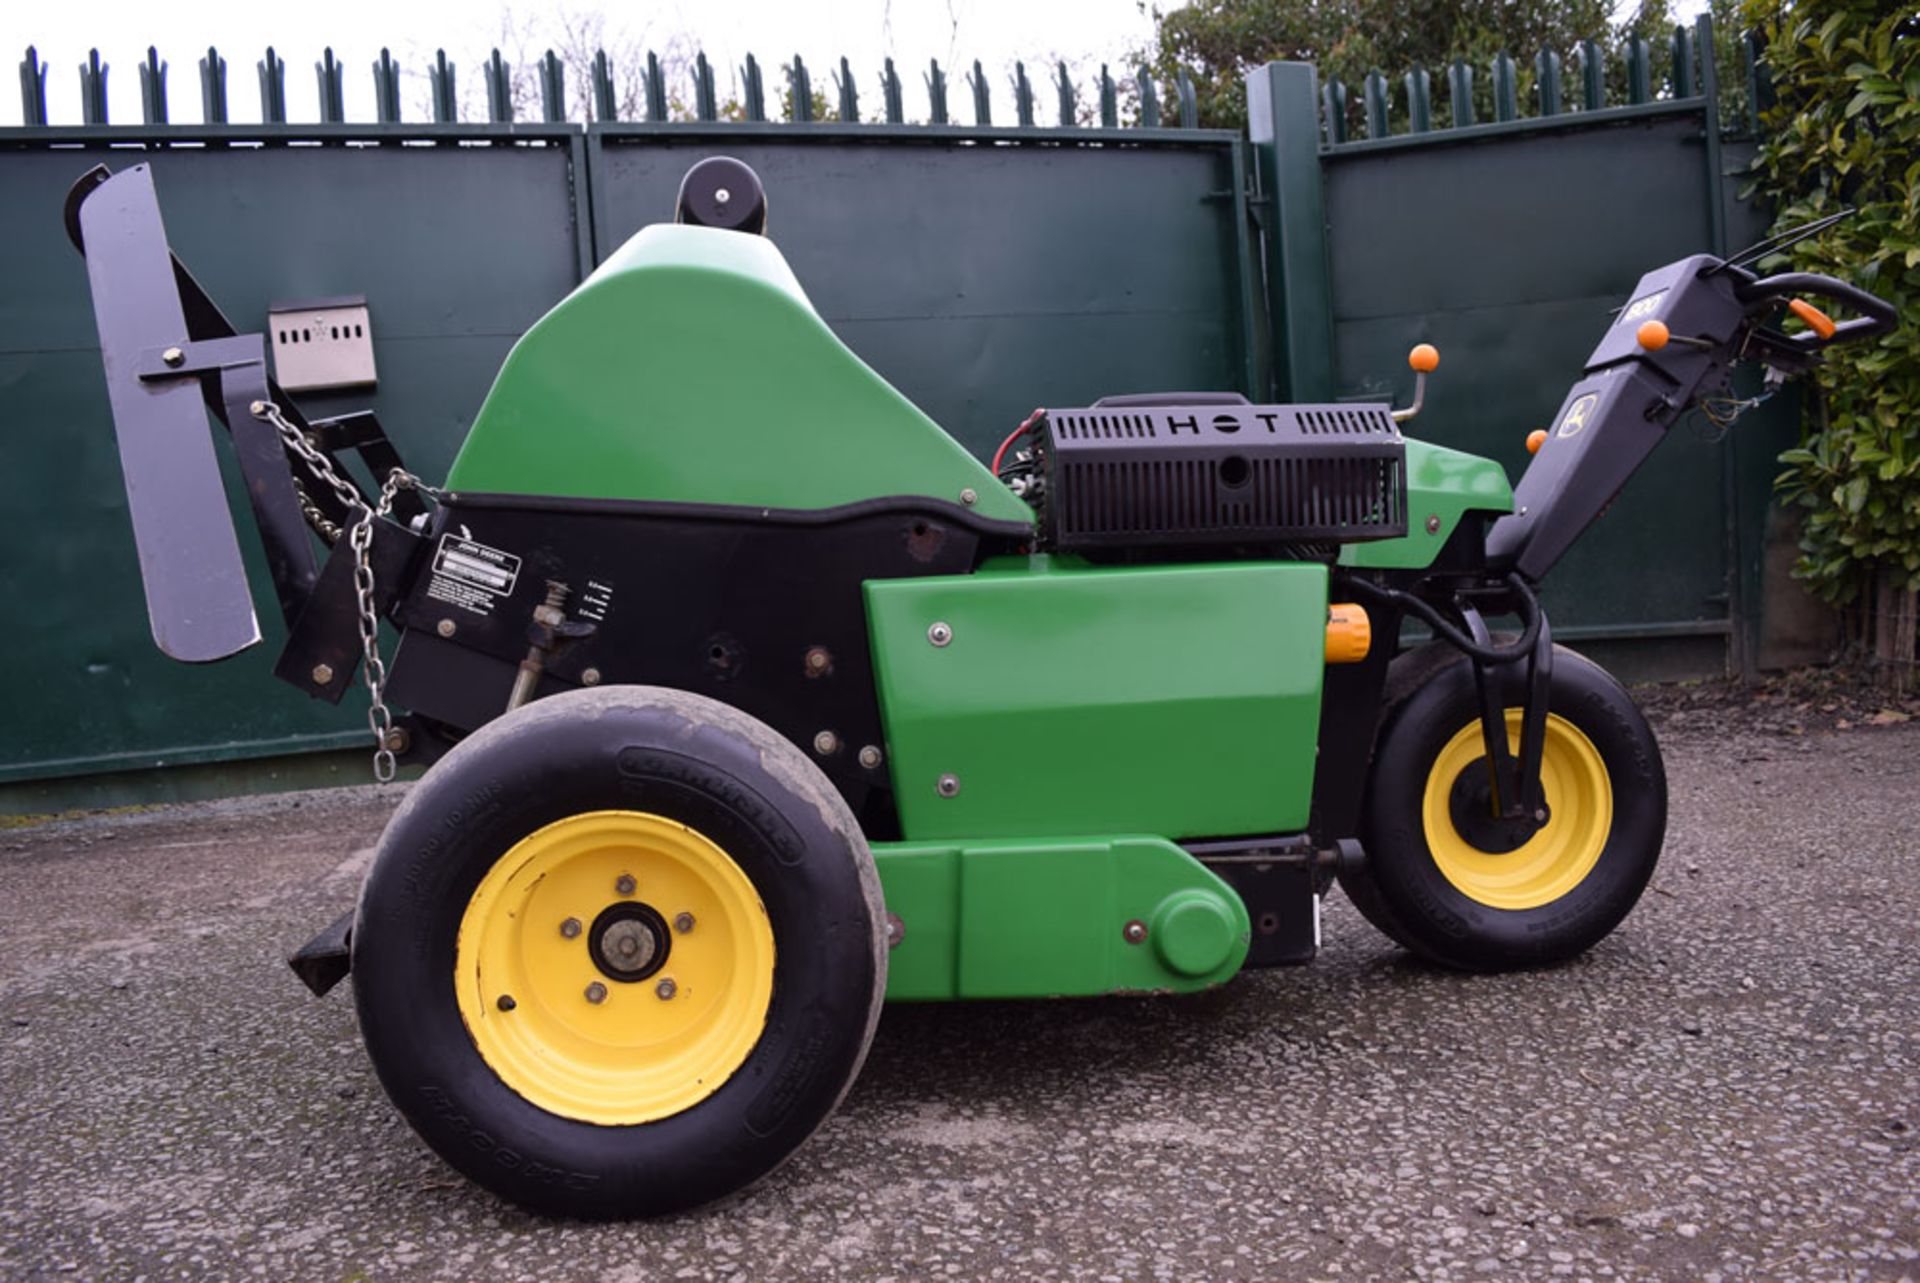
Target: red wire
x=1013 y=436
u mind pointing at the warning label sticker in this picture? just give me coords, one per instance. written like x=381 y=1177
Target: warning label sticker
x=471 y=575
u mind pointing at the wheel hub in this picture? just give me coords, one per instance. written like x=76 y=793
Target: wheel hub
x=1470 y=803
x=629 y=941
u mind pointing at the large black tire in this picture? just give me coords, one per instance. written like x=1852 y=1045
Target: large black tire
x=1455 y=898
x=676 y=760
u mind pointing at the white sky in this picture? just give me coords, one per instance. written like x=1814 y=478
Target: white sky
x=821 y=31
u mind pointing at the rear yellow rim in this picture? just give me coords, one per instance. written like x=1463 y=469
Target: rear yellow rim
x=1555 y=860
x=614 y=967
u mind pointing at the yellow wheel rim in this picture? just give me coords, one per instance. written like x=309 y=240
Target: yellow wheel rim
x=1555 y=860
x=578 y=1039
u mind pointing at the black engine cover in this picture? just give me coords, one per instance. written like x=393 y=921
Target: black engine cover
x=1218 y=474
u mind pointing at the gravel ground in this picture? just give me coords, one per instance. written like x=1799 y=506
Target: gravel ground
x=1727 y=1088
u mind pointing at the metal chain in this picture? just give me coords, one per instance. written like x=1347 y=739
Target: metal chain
x=360 y=539
x=316 y=519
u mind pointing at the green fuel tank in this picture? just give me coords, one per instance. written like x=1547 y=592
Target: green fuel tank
x=691 y=368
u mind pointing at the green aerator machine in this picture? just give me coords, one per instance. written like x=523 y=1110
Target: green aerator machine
x=747 y=699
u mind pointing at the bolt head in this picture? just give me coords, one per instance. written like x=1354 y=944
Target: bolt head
x=1540 y=815
x=258 y=409
x=446 y=628
x=1134 y=932
x=589 y=677
x=819 y=660
x=826 y=743
x=721 y=195
x=969 y=496
x=1433 y=523
x=896 y=931
x=174 y=356
x=666 y=989
x=940 y=633
x=625 y=884
x=596 y=992
x=949 y=785
x=505 y=1002
x=322 y=674
x=570 y=928
x=683 y=922
x=871 y=756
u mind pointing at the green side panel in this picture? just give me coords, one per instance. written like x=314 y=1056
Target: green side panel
x=1043 y=919
x=1442 y=485
x=691 y=368
x=1181 y=700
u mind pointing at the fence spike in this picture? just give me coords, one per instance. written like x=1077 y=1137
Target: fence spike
x=706 y=103
x=1375 y=94
x=1022 y=96
x=333 y=98
x=890 y=95
x=273 y=88
x=1593 y=76
x=1149 y=100
x=386 y=89
x=1546 y=72
x=936 y=93
x=33 y=89
x=153 y=88
x=499 y=78
x=656 y=90
x=213 y=87
x=93 y=89
x=1684 y=84
x=1460 y=92
x=1189 y=101
x=982 y=105
x=1069 y=108
x=1419 y=101
x=1506 y=88
x=1333 y=98
x=553 y=89
x=1639 y=70
x=1753 y=49
x=754 y=92
x=446 y=108
x=606 y=106
x=799 y=93
x=849 y=94
x=1109 y=101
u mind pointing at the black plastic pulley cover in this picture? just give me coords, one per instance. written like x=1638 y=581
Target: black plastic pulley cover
x=722 y=192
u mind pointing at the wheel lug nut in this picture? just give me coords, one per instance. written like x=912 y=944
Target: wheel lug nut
x=683 y=922
x=625 y=884
x=666 y=989
x=570 y=928
x=596 y=992
x=506 y=1002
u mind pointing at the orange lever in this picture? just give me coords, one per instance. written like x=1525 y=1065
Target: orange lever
x=1425 y=358
x=1653 y=335
x=1536 y=439
x=1817 y=321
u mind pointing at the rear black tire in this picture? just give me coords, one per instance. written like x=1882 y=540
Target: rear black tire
x=1442 y=904
x=692 y=762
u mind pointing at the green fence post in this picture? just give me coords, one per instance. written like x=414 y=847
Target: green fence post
x=499 y=80
x=446 y=108
x=1189 y=101
x=1376 y=96
x=1419 y=101
x=273 y=88
x=1593 y=77
x=1639 y=70
x=213 y=87
x=1506 y=88
x=1334 y=99
x=1069 y=108
x=1149 y=100
x=706 y=102
x=153 y=88
x=656 y=84
x=553 y=89
x=755 y=92
x=799 y=92
x=849 y=94
x=33 y=89
x=936 y=80
x=1683 y=81
x=891 y=97
x=333 y=98
x=1753 y=50
x=1283 y=125
x=606 y=104
x=982 y=107
x=1109 y=101
x=386 y=89
x=1460 y=92
x=1022 y=96
x=1546 y=72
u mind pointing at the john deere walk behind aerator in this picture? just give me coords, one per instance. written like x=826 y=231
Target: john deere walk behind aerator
x=748 y=698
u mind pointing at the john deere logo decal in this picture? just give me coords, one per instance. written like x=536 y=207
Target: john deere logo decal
x=1642 y=307
x=1577 y=415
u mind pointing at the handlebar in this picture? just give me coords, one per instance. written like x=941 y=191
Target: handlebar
x=1876 y=315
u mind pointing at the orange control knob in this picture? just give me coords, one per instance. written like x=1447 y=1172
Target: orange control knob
x=1425 y=358
x=1349 y=633
x=1536 y=439
x=1817 y=321
x=1653 y=335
